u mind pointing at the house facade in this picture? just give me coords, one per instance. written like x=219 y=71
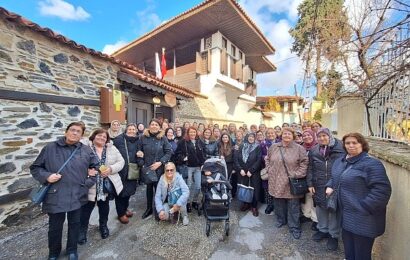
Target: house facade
x=213 y=49
x=280 y=109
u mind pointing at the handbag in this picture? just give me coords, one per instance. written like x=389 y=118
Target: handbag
x=173 y=196
x=38 y=194
x=297 y=186
x=331 y=201
x=150 y=176
x=133 y=168
x=245 y=193
x=108 y=188
x=264 y=174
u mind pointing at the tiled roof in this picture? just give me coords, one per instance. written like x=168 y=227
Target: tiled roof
x=278 y=98
x=64 y=40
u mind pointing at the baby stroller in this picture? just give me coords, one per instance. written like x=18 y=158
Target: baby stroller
x=215 y=190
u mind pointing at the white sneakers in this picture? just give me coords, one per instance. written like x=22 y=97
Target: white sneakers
x=185 y=221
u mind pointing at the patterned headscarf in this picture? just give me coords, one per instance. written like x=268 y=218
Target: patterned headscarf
x=325 y=149
x=248 y=147
x=313 y=143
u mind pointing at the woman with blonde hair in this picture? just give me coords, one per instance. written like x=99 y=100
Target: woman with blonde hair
x=172 y=195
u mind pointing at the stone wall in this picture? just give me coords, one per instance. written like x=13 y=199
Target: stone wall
x=32 y=63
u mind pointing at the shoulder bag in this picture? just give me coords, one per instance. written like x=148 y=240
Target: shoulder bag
x=245 y=193
x=150 y=176
x=39 y=193
x=264 y=174
x=297 y=186
x=331 y=201
x=133 y=168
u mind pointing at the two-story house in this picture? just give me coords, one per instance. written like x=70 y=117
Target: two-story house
x=213 y=49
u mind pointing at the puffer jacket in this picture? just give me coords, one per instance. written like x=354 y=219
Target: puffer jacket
x=116 y=162
x=162 y=192
x=319 y=170
x=363 y=194
x=70 y=192
x=156 y=148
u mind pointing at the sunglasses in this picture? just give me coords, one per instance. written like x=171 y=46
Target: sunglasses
x=169 y=170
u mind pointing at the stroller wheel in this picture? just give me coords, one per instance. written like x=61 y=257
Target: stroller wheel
x=227 y=228
x=208 y=229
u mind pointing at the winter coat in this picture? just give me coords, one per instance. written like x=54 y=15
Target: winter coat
x=296 y=161
x=363 y=194
x=129 y=187
x=162 y=192
x=229 y=160
x=319 y=170
x=116 y=162
x=156 y=148
x=174 y=144
x=70 y=192
x=253 y=165
x=211 y=148
x=195 y=153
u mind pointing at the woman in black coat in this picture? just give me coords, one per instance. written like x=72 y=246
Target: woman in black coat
x=190 y=151
x=126 y=142
x=154 y=151
x=211 y=145
x=247 y=164
x=321 y=159
x=226 y=151
x=363 y=190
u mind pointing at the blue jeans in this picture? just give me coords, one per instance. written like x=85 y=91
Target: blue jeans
x=194 y=183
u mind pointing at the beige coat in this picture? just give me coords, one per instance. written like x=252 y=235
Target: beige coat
x=116 y=162
x=296 y=162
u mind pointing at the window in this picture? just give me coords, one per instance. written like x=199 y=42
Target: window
x=290 y=106
x=224 y=43
x=240 y=55
x=233 y=51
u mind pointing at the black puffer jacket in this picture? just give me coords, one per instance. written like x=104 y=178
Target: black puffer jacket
x=319 y=170
x=195 y=153
x=129 y=186
x=71 y=191
x=156 y=148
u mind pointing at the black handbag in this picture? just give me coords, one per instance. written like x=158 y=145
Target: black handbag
x=297 y=186
x=331 y=201
x=150 y=176
x=109 y=188
x=38 y=194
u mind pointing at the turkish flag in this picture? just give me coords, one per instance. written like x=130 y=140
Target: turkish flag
x=163 y=64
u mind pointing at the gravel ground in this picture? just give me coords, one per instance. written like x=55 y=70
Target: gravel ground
x=250 y=238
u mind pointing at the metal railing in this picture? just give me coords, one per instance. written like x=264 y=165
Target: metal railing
x=387 y=113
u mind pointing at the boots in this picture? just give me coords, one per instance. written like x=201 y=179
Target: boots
x=82 y=236
x=104 y=231
x=147 y=213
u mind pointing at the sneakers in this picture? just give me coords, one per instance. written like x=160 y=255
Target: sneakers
x=185 y=221
x=318 y=236
x=332 y=244
x=269 y=209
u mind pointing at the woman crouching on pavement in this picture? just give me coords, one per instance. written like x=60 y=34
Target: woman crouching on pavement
x=172 y=195
x=110 y=163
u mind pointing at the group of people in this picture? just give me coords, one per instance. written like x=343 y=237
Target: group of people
x=169 y=158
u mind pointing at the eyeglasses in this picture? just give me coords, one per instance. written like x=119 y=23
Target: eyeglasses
x=169 y=170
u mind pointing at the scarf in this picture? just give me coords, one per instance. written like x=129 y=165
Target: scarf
x=313 y=143
x=100 y=182
x=324 y=150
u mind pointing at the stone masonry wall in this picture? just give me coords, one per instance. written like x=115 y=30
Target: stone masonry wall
x=30 y=62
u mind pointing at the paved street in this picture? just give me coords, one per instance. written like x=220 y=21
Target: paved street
x=250 y=238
